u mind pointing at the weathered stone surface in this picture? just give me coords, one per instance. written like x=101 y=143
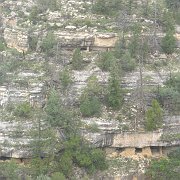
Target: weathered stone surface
x=128 y=152
x=105 y=40
x=146 y=152
x=82 y=39
x=177 y=29
x=140 y=140
x=16 y=38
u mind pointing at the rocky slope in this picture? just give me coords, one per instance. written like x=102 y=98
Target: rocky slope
x=30 y=74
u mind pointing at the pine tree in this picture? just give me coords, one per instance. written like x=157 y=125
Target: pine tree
x=77 y=60
x=115 y=98
x=154 y=117
x=168 y=43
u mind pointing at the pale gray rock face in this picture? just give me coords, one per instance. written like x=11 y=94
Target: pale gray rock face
x=71 y=36
x=16 y=38
x=178 y=29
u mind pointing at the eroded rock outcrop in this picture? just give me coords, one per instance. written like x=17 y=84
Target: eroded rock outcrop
x=16 y=38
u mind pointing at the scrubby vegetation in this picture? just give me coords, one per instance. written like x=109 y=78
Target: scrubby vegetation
x=165 y=168
x=76 y=84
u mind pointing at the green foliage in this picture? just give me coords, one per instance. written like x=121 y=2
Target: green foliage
x=33 y=16
x=23 y=110
x=9 y=170
x=32 y=41
x=177 y=17
x=60 y=116
x=51 y=153
x=43 y=177
x=154 y=117
x=165 y=168
x=127 y=62
x=3 y=76
x=168 y=22
x=48 y=44
x=65 y=78
x=130 y=6
x=173 y=4
x=58 y=176
x=114 y=97
x=93 y=87
x=105 y=61
x=134 y=45
x=107 y=7
x=93 y=127
x=100 y=7
x=2 y=45
x=39 y=167
x=171 y=93
x=43 y=5
x=168 y=43
x=119 y=48
x=83 y=22
x=65 y=163
x=77 y=60
x=90 y=104
x=85 y=156
x=174 y=82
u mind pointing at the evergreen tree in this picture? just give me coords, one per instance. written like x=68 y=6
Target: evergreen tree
x=59 y=116
x=134 y=45
x=65 y=78
x=115 y=97
x=48 y=44
x=166 y=168
x=168 y=43
x=154 y=117
x=105 y=61
x=127 y=62
x=77 y=60
x=168 y=22
x=90 y=103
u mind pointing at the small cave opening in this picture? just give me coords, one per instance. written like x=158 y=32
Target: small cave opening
x=83 y=48
x=155 y=150
x=2 y=158
x=120 y=149
x=138 y=150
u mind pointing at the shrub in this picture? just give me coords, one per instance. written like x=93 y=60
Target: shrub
x=43 y=177
x=107 y=7
x=90 y=106
x=168 y=22
x=33 y=16
x=119 y=48
x=93 y=127
x=174 y=82
x=127 y=62
x=165 y=168
x=9 y=170
x=2 y=45
x=114 y=97
x=66 y=163
x=65 y=78
x=105 y=61
x=48 y=44
x=170 y=93
x=23 y=110
x=32 y=41
x=43 y=5
x=77 y=60
x=154 y=117
x=58 y=176
x=168 y=43
x=89 y=100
